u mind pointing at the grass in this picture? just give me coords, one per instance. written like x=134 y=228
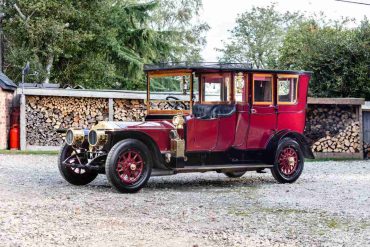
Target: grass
x=283 y=210
x=247 y=212
x=332 y=223
x=35 y=152
x=242 y=213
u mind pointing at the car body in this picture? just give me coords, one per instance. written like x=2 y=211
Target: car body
x=228 y=118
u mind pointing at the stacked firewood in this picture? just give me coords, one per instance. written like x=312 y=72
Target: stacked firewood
x=44 y=115
x=129 y=110
x=346 y=141
x=333 y=129
x=169 y=105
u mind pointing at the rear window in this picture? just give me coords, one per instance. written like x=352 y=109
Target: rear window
x=287 y=89
x=262 y=89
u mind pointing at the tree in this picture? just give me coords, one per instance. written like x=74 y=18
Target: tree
x=97 y=44
x=181 y=19
x=257 y=36
x=338 y=56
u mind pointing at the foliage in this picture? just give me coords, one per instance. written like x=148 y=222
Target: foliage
x=257 y=36
x=180 y=18
x=97 y=44
x=338 y=56
x=338 y=52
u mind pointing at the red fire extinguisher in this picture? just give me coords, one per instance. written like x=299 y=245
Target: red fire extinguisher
x=14 y=142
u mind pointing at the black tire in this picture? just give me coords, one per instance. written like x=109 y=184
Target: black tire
x=235 y=174
x=68 y=173
x=111 y=166
x=278 y=171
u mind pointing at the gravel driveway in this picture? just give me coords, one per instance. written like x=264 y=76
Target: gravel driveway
x=328 y=206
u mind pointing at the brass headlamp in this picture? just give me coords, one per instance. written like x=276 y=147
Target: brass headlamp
x=75 y=137
x=97 y=138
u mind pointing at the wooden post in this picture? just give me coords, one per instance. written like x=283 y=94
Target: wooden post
x=111 y=109
x=359 y=115
x=23 y=123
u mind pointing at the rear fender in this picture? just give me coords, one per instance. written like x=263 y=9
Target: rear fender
x=274 y=142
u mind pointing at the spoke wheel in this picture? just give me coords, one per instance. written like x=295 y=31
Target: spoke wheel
x=130 y=166
x=76 y=176
x=288 y=161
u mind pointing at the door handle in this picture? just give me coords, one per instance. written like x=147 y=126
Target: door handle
x=254 y=111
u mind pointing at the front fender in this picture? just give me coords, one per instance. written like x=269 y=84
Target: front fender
x=117 y=136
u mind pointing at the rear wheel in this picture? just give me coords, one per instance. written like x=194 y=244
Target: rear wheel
x=235 y=174
x=77 y=176
x=289 y=161
x=128 y=166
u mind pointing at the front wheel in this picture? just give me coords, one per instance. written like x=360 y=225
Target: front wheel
x=289 y=161
x=128 y=166
x=68 y=157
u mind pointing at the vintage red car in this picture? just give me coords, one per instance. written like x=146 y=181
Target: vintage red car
x=228 y=118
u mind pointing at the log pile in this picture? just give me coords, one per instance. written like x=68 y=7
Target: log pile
x=169 y=105
x=129 y=110
x=333 y=129
x=346 y=141
x=44 y=115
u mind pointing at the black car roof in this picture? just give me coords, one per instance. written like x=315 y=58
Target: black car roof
x=227 y=67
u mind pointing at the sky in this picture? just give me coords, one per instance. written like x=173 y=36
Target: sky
x=221 y=15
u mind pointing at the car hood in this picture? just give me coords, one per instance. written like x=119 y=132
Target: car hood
x=116 y=125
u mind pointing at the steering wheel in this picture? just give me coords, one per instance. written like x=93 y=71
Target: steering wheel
x=178 y=105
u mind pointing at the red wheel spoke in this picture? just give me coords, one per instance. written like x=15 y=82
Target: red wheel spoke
x=288 y=161
x=136 y=155
x=130 y=166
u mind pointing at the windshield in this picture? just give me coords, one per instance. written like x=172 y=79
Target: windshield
x=170 y=92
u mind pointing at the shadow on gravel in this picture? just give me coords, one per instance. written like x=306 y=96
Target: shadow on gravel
x=191 y=184
x=201 y=184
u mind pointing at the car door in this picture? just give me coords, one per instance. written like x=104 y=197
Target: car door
x=291 y=103
x=241 y=92
x=263 y=119
x=203 y=128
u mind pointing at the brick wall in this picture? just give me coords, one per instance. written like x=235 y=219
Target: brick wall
x=6 y=98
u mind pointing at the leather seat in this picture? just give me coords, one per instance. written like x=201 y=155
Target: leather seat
x=203 y=111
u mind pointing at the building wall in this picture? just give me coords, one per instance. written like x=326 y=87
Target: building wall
x=6 y=98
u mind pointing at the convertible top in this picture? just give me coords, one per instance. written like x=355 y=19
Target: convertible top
x=213 y=66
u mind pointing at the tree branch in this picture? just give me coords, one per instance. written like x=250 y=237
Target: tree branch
x=23 y=17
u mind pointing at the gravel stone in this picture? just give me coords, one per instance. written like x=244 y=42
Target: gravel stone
x=328 y=206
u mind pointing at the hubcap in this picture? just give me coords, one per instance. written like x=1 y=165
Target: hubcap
x=130 y=166
x=288 y=161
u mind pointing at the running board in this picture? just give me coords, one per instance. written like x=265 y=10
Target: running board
x=221 y=168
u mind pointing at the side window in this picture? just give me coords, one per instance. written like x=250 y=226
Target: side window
x=240 y=87
x=287 y=89
x=215 y=88
x=262 y=89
